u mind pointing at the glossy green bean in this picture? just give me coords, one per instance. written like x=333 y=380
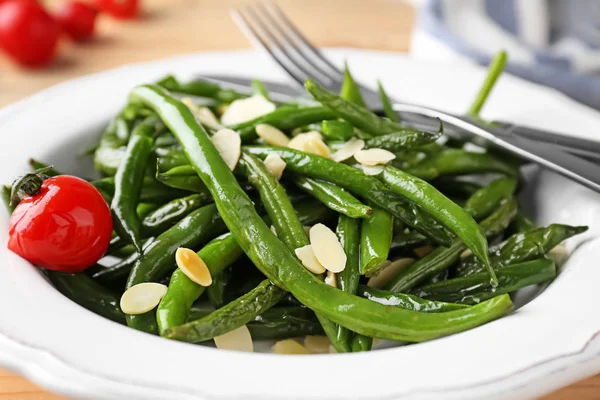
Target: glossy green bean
x=348 y=232
x=486 y=199
x=280 y=264
x=443 y=258
x=284 y=118
x=337 y=130
x=455 y=188
x=216 y=291
x=375 y=241
x=89 y=294
x=521 y=224
x=460 y=162
x=405 y=138
x=333 y=197
x=162 y=218
x=152 y=190
x=388 y=110
x=443 y=209
x=129 y=181
x=522 y=247
x=406 y=301
x=355 y=181
x=474 y=289
x=407 y=241
x=201 y=89
x=259 y=88
x=112 y=147
x=159 y=257
x=495 y=70
x=350 y=90
x=284 y=323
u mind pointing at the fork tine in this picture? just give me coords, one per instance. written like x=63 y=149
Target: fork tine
x=267 y=26
x=308 y=49
x=256 y=36
x=288 y=39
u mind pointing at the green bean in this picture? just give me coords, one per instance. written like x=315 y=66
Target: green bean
x=443 y=209
x=348 y=232
x=473 y=289
x=387 y=106
x=218 y=254
x=129 y=181
x=84 y=291
x=152 y=190
x=406 y=301
x=216 y=291
x=350 y=90
x=162 y=218
x=460 y=162
x=229 y=317
x=159 y=257
x=495 y=70
x=259 y=88
x=361 y=343
x=403 y=139
x=283 y=323
x=443 y=258
x=201 y=89
x=280 y=264
x=455 y=188
x=112 y=147
x=522 y=247
x=521 y=224
x=355 y=181
x=182 y=177
x=337 y=130
x=168 y=158
x=284 y=118
x=358 y=116
x=486 y=199
x=375 y=241
x=407 y=241
x=334 y=197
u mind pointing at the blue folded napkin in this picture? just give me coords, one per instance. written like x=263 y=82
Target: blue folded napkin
x=551 y=42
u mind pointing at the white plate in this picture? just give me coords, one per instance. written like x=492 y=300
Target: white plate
x=546 y=344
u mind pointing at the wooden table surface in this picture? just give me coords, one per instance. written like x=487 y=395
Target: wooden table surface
x=170 y=27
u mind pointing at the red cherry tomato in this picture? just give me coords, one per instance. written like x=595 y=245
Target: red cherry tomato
x=122 y=9
x=77 y=19
x=27 y=33
x=65 y=227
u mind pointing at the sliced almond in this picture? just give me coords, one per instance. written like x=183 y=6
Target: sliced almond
x=229 y=145
x=272 y=135
x=559 y=254
x=372 y=157
x=423 y=250
x=348 y=150
x=275 y=164
x=202 y=114
x=389 y=271
x=190 y=263
x=465 y=253
x=142 y=297
x=238 y=339
x=327 y=248
x=289 y=346
x=307 y=257
x=331 y=279
x=244 y=110
x=310 y=142
x=317 y=344
x=376 y=170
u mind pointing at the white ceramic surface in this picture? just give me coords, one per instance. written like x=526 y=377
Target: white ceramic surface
x=548 y=343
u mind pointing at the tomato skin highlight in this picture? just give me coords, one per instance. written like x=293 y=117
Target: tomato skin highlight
x=65 y=227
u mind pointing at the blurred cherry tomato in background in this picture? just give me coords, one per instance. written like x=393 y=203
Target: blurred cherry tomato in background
x=28 y=33
x=122 y=9
x=66 y=226
x=77 y=19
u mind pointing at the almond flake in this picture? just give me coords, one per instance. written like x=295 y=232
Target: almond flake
x=238 y=339
x=331 y=279
x=142 y=297
x=389 y=271
x=423 y=250
x=559 y=254
x=317 y=344
x=372 y=157
x=229 y=145
x=275 y=164
x=348 y=150
x=310 y=142
x=376 y=170
x=307 y=257
x=289 y=346
x=272 y=135
x=243 y=110
x=327 y=248
x=202 y=114
x=190 y=263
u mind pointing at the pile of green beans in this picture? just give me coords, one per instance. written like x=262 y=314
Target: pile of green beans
x=168 y=187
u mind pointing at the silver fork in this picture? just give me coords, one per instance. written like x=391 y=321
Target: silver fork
x=268 y=27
